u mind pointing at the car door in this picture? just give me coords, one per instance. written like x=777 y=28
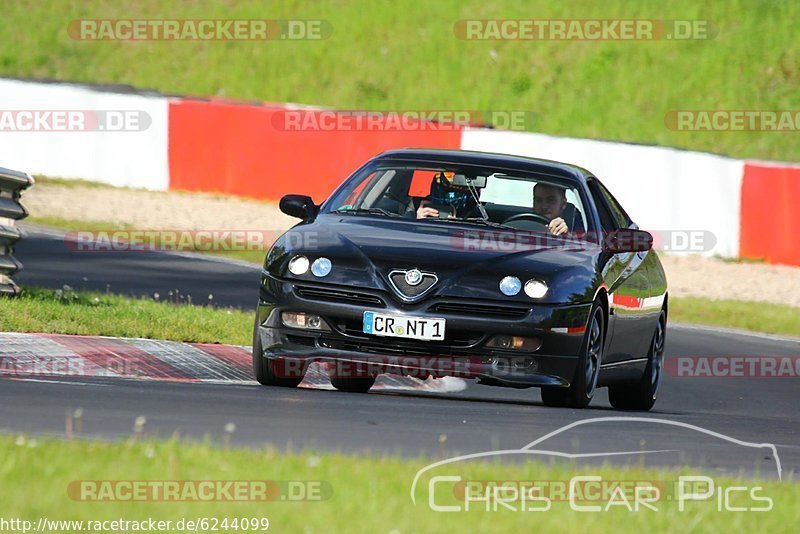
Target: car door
x=625 y=275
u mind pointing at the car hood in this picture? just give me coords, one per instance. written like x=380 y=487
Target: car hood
x=469 y=260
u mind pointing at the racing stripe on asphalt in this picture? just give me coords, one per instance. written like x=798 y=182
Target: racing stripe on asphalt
x=121 y=357
x=192 y=361
x=24 y=356
x=242 y=358
x=233 y=355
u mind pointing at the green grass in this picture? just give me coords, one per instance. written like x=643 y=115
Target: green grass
x=756 y=316
x=362 y=493
x=88 y=313
x=403 y=55
x=75 y=225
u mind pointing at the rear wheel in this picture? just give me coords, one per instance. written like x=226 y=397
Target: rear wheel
x=265 y=368
x=642 y=395
x=581 y=390
x=353 y=385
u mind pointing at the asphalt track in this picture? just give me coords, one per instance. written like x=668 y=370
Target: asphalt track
x=479 y=418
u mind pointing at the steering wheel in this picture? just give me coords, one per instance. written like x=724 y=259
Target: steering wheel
x=528 y=218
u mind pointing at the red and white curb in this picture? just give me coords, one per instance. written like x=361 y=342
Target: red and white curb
x=36 y=356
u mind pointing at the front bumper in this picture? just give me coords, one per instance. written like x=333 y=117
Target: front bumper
x=349 y=352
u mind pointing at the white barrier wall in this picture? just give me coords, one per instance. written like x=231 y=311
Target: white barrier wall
x=120 y=158
x=660 y=188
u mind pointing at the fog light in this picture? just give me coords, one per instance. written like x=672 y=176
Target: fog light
x=528 y=344
x=298 y=265
x=303 y=320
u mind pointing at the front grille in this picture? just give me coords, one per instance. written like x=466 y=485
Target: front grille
x=405 y=289
x=479 y=310
x=344 y=296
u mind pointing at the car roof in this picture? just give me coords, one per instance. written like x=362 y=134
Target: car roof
x=488 y=159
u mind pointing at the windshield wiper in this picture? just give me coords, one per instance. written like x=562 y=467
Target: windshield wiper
x=487 y=222
x=374 y=211
x=471 y=220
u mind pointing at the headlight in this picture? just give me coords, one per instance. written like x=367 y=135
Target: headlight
x=321 y=267
x=298 y=265
x=535 y=289
x=510 y=286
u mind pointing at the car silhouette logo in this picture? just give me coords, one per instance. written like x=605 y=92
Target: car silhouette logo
x=413 y=277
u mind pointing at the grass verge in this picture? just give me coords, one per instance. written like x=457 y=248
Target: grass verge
x=359 y=493
x=97 y=314
x=756 y=316
x=88 y=313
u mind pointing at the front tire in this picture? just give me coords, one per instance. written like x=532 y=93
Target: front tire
x=642 y=395
x=353 y=385
x=264 y=368
x=581 y=390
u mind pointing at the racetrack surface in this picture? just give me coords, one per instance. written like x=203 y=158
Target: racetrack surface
x=479 y=418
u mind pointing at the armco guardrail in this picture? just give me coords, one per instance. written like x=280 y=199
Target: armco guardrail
x=12 y=184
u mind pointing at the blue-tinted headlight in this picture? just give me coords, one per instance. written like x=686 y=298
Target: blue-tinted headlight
x=321 y=267
x=510 y=286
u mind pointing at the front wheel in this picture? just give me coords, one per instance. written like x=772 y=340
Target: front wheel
x=642 y=395
x=581 y=390
x=353 y=385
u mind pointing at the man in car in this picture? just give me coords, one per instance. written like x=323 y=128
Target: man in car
x=444 y=193
x=551 y=202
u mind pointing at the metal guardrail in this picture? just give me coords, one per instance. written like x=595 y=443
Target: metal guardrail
x=12 y=184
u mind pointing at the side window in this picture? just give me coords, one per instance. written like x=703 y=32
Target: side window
x=612 y=216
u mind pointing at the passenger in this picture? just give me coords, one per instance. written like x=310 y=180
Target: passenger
x=444 y=193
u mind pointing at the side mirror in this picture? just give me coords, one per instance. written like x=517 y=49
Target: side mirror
x=299 y=206
x=628 y=240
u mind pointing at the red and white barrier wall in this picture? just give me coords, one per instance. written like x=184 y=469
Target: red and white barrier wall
x=237 y=148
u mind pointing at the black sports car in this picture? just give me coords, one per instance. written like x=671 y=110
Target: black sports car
x=517 y=272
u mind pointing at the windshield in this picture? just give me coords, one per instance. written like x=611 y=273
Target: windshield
x=441 y=194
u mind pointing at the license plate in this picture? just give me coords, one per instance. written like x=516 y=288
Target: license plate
x=381 y=324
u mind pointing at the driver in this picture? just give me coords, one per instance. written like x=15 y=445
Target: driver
x=550 y=202
x=444 y=193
